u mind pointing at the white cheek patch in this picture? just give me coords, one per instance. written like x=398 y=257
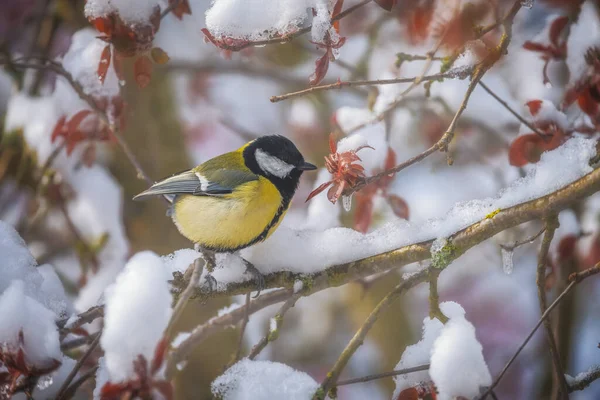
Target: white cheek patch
x=272 y=165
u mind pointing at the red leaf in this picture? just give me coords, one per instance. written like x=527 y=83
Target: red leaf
x=318 y=190
x=142 y=70
x=332 y=143
x=390 y=159
x=566 y=247
x=337 y=8
x=165 y=388
x=321 y=67
x=534 y=46
x=76 y=121
x=408 y=394
x=182 y=7
x=159 y=356
x=104 y=64
x=118 y=66
x=387 y=5
x=334 y=193
x=587 y=103
x=420 y=21
x=534 y=106
x=89 y=155
x=556 y=29
x=208 y=36
x=524 y=149
x=103 y=25
x=364 y=213
x=398 y=205
x=58 y=129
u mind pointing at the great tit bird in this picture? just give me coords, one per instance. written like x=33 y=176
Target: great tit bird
x=236 y=199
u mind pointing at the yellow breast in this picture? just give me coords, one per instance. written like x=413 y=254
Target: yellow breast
x=231 y=222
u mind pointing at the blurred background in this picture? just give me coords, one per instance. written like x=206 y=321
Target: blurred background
x=75 y=212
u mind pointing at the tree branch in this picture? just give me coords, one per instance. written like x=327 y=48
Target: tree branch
x=559 y=375
x=340 y=84
x=61 y=395
x=359 y=336
x=273 y=334
x=424 y=367
x=574 y=279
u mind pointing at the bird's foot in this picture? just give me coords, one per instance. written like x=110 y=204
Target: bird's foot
x=212 y=282
x=258 y=277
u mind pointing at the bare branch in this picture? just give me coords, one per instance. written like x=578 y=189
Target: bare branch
x=198 y=266
x=575 y=278
x=273 y=334
x=238 y=352
x=513 y=112
x=340 y=84
x=559 y=375
x=359 y=336
x=61 y=395
x=520 y=243
x=585 y=379
x=424 y=367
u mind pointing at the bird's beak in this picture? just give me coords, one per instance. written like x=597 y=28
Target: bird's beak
x=306 y=167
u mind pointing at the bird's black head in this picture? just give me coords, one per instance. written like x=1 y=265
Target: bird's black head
x=277 y=159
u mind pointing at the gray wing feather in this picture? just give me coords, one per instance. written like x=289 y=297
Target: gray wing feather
x=218 y=183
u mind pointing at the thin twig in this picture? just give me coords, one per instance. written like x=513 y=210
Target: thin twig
x=58 y=69
x=373 y=377
x=216 y=324
x=238 y=352
x=513 y=112
x=85 y=317
x=198 y=266
x=273 y=333
x=79 y=341
x=332 y=376
x=70 y=393
x=374 y=82
x=559 y=374
x=524 y=241
x=574 y=278
x=442 y=144
x=63 y=389
x=80 y=240
x=585 y=379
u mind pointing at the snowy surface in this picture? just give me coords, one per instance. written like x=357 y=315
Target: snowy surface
x=263 y=380
x=457 y=364
x=456 y=358
x=260 y=19
x=130 y=11
x=584 y=35
x=19 y=312
x=82 y=60
x=305 y=251
x=138 y=308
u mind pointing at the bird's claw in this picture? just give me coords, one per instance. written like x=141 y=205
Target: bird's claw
x=258 y=277
x=212 y=282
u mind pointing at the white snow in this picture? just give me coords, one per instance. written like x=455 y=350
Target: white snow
x=138 y=309
x=19 y=312
x=260 y=19
x=102 y=377
x=584 y=35
x=263 y=380
x=457 y=364
x=40 y=283
x=82 y=60
x=417 y=354
x=130 y=11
